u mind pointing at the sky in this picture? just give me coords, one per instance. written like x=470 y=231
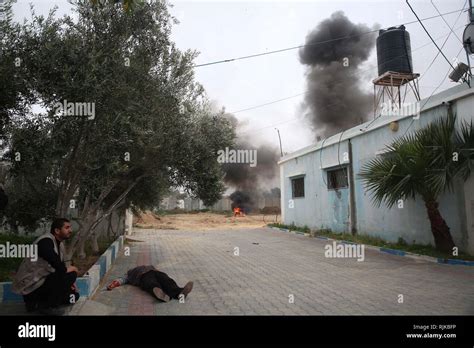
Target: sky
x=221 y=30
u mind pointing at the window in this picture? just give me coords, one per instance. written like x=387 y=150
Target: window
x=337 y=179
x=297 y=186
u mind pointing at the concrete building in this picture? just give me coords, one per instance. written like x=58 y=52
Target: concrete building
x=320 y=186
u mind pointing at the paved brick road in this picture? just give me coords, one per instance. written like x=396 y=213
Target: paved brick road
x=273 y=265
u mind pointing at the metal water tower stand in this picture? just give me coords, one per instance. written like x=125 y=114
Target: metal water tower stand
x=394 y=87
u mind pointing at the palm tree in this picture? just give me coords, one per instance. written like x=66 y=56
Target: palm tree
x=425 y=163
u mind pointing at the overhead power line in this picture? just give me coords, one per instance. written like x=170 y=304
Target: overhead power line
x=303 y=93
x=296 y=118
x=427 y=100
x=316 y=43
x=444 y=20
x=428 y=33
x=269 y=103
x=423 y=75
x=446 y=40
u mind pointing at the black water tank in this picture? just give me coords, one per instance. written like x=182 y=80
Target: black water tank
x=394 y=50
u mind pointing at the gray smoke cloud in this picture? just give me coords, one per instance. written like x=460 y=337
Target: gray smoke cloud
x=335 y=100
x=251 y=179
x=251 y=184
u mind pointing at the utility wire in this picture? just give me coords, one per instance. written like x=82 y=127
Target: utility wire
x=442 y=81
x=421 y=109
x=269 y=103
x=303 y=93
x=427 y=32
x=432 y=61
x=295 y=118
x=444 y=20
x=411 y=123
x=427 y=100
x=444 y=43
x=315 y=43
x=434 y=91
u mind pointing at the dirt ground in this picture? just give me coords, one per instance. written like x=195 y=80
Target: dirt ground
x=201 y=221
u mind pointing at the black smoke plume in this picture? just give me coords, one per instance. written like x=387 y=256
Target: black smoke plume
x=242 y=200
x=336 y=100
x=251 y=182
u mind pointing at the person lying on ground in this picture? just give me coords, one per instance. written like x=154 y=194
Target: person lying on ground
x=47 y=283
x=156 y=283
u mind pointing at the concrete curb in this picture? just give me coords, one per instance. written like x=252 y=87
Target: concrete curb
x=290 y=231
x=391 y=251
x=87 y=285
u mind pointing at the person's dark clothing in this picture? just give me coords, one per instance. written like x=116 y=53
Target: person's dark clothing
x=134 y=275
x=56 y=290
x=46 y=251
x=147 y=278
x=3 y=199
x=156 y=279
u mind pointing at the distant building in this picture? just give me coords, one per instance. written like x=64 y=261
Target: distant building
x=223 y=204
x=193 y=204
x=168 y=203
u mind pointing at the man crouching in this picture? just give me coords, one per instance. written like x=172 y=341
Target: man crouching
x=47 y=283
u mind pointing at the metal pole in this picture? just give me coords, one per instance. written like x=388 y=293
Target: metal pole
x=469 y=73
x=281 y=149
x=471 y=12
x=352 y=200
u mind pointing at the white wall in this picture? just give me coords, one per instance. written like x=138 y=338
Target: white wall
x=317 y=208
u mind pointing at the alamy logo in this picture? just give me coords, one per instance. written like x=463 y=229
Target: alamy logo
x=237 y=156
x=37 y=331
x=344 y=250
x=404 y=109
x=8 y=250
x=75 y=109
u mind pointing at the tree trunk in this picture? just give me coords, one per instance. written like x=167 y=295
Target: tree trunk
x=85 y=234
x=95 y=243
x=118 y=229
x=120 y=226
x=91 y=217
x=442 y=236
x=81 y=252
x=117 y=216
x=110 y=230
x=79 y=238
x=98 y=232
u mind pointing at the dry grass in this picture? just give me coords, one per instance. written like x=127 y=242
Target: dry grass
x=200 y=221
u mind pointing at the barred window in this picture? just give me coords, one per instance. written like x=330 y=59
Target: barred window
x=337 y=179
x=297 y=186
